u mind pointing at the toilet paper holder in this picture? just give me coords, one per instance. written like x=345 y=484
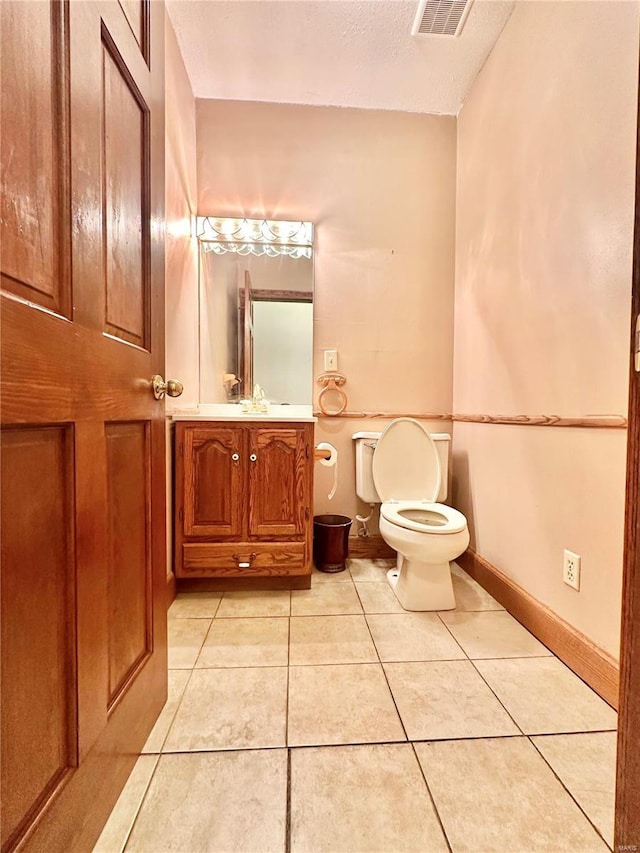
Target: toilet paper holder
x=327 y=455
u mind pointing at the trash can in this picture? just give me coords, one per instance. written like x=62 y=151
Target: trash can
x=331 y=542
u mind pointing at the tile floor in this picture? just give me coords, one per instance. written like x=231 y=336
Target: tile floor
x=331 y=720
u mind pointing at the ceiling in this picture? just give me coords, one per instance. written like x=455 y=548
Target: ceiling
x=343 y=53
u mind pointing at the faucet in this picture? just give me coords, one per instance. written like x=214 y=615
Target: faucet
x=257 y=403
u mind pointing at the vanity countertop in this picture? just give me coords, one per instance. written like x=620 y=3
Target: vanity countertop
x=233 y=412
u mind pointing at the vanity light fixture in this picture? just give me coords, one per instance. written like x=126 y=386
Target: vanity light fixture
x=255 y=236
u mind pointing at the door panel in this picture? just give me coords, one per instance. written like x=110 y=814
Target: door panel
x=129 y=580
x=126 y=222
x=277 y=482
x=137 y=15
x=38 y=614
x=213 y=482
x=33 y=234
x=89 y=625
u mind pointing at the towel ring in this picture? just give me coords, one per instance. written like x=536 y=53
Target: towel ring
x=332 y=382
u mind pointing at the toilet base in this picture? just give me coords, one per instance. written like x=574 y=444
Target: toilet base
x=422 y=586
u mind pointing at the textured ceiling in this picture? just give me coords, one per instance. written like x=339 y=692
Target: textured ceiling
x=332 y=52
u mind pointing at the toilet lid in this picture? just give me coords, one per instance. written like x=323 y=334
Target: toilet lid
x=405 y=463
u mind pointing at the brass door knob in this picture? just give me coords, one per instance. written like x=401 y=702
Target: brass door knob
x=171 y=387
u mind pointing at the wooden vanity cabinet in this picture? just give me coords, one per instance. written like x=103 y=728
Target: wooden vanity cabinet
x=243 y=501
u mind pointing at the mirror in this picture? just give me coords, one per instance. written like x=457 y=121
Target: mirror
x=256 y=310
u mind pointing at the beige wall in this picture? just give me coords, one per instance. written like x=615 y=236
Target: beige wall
x=545 y=196
x=181 y=259
x=380 y=190
x=219 y=282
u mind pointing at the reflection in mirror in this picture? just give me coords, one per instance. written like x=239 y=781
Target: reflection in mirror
x=256 y=310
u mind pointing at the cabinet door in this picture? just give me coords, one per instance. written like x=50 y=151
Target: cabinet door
x=212 y=482
x=279 y=482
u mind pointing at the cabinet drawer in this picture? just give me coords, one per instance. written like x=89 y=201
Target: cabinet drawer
x=224 y=559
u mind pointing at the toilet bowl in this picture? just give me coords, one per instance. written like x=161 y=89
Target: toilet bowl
x=409 y=480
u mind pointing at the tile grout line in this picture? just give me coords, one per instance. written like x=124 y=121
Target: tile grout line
x=158 y=756
x=530 y=734
x=573 y=732
x=515 y=657
x=200 y=647
x=431 y=797
x=297 y=746
x=467 y=659
x=315 y=745
x=204 y=642
x=287 y=831
x=286 y=709
x=384 y=672
x=450 y=632
x=472 y=662
x=175 y=713
x=550 y=766
x=500 y=702
x=218 y=606
x=127 y=837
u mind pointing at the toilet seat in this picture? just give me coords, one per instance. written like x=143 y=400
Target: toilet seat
x=436 y=518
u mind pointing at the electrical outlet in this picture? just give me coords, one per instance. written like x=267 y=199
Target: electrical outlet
x=331 y=359
x=571 y=569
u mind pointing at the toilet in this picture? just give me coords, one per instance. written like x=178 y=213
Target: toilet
x=405 y=469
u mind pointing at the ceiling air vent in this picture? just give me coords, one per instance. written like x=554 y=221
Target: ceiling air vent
x=440 y=17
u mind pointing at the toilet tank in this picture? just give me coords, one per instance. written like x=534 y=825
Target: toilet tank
x=365 y=445
x=442 y=441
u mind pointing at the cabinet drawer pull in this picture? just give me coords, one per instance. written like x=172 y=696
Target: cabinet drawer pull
x=244 y=562
x=235 y=457
x=253 y=457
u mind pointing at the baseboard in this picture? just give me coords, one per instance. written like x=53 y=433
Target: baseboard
x=371 y=547
x=593 y=665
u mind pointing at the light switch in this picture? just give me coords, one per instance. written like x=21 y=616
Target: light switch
x=331 y=359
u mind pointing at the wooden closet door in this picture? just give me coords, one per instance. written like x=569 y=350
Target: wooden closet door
x=83 y=553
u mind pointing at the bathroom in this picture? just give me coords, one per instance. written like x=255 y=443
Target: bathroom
x=436 y=278
x=459 y=240
x=472 y=268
